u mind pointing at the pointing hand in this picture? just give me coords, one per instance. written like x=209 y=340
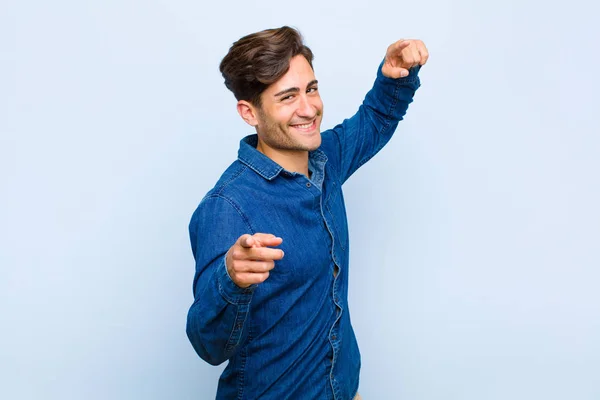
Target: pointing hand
x=250 y=259
x=402 y=56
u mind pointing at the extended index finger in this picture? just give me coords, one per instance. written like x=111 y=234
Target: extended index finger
x=401 y=45
x=267 y=240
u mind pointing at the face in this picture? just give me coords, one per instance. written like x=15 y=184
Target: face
x=289 y=119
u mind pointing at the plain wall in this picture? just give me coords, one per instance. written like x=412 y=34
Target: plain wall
x=475 y=233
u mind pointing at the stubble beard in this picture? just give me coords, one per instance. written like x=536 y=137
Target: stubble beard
x=277 y=137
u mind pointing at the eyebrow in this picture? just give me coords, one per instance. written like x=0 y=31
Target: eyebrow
x=295 y=89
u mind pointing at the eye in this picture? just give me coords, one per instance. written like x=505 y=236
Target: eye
x=312 y=89
x=288 y=97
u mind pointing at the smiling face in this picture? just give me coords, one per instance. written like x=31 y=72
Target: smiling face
x=289 y=118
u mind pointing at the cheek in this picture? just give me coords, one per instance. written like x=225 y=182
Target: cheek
x=286 y=116
x=318 y=104
x=274 y=117
x=277 y=112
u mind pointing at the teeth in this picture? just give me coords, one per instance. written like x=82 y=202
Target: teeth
x=305 y=126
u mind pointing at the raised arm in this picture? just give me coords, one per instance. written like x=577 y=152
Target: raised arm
x=359 y=138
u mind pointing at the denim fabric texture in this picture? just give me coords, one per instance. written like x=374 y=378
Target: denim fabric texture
x=289 y=337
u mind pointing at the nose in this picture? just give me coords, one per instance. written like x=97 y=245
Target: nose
x=305 y=108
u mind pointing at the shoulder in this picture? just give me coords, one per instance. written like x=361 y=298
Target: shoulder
x=227 y=196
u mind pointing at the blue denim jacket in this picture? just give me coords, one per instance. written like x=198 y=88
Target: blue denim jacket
x=289 y=337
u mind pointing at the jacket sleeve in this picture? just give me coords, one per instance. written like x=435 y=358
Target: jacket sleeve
x=359 y=138
x=216 y=322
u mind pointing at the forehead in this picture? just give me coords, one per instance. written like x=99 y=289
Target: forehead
x=299 y=75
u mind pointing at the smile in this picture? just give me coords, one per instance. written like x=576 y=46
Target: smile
x=305 y=127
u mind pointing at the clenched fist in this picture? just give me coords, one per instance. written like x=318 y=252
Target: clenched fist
x=402 y=56
x=250 y=259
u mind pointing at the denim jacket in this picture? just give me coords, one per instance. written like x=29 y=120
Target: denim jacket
x=289 y=337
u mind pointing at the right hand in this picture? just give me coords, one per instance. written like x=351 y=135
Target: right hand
x=250 y=259
x=401 y=56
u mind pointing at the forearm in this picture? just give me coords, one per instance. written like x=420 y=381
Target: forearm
x=364 y=134
x=216 y=323
x=387 y=102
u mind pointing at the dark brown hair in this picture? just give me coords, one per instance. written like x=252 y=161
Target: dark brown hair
x=257 y=60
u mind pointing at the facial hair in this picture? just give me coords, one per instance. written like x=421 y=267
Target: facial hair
x=276 y=137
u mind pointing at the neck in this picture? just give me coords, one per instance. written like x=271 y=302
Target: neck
x=291 y=160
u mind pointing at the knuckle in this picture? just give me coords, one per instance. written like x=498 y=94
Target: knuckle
x=235 y=266
x=266 y=255
x=241 y=280
x=254 y=278
x=259 y=267
x=257 y=277
x=236 y=254
x=260 y=253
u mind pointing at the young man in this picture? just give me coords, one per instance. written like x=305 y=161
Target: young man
x=270 y=240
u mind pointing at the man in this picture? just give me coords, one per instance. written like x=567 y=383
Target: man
x=270 y=240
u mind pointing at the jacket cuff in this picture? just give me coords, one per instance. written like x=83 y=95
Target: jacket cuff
x=411 y=79
x=229 y=290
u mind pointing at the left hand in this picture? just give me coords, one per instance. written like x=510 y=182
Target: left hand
x=402 y=56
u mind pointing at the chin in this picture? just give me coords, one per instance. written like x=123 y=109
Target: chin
x=317 y=143
x=312 y=144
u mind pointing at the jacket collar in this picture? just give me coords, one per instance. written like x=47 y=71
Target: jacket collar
x=263 y=165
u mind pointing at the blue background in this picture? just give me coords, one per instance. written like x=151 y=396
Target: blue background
x=474 y=275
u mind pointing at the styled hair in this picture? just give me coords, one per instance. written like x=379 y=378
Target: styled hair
x=257 y=60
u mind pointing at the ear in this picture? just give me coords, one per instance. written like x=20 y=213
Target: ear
x=248 y=112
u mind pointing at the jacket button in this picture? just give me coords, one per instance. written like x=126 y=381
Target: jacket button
x=308 y=184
